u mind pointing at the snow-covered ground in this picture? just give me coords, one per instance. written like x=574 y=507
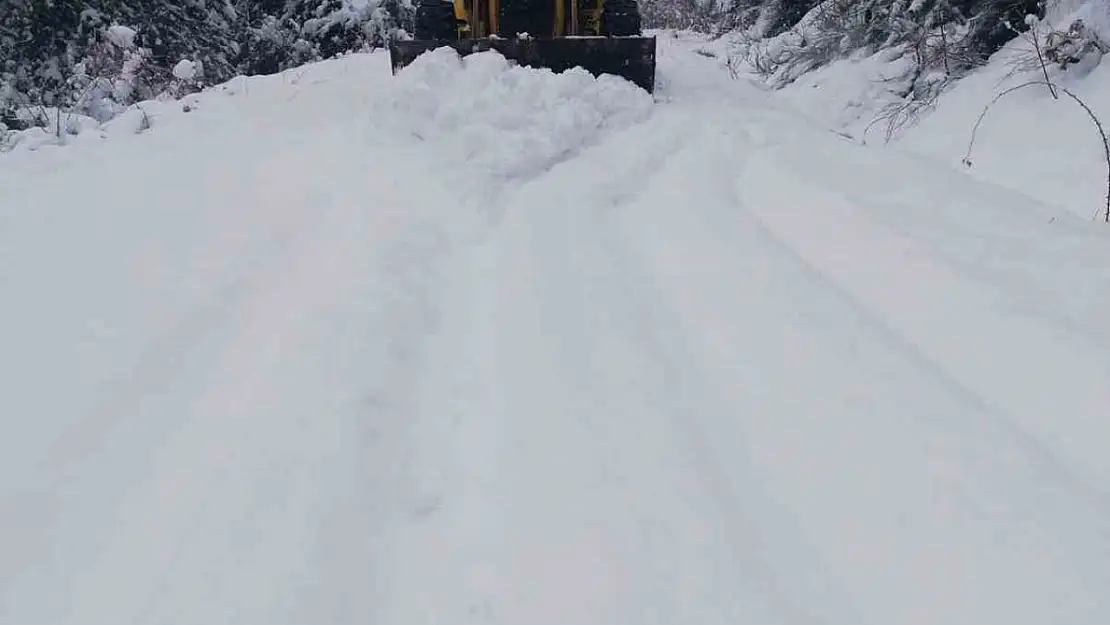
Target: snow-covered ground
x=1044 y=147
x=479 y=344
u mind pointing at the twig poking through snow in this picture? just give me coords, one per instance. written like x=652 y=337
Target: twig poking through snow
x=1040 y=59
x=1052 y=87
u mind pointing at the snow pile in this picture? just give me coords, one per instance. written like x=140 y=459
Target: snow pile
x=507 y=121
x=339 y=85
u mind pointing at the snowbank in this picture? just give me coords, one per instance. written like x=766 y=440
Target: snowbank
x=349 y=79
x=1048 y=149
x=848 y=95
x=501 y=119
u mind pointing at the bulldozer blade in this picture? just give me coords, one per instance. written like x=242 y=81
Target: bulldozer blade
x=632 y=58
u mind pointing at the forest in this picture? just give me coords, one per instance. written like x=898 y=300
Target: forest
x=96 y=57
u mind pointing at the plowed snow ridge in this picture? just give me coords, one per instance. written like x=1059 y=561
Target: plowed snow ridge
x=480 y=344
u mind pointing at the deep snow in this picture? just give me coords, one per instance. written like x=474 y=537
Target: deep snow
x=480 y=344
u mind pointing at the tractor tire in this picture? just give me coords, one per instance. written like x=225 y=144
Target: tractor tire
x=621 y=18
x=525 y=16
x=435 y=21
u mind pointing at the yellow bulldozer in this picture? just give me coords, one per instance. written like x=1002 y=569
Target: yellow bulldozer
x=600 y=36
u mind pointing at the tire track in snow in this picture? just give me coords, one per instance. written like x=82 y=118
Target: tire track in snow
x=730 y=501
x=759 y=550
x=924 y=302
x=151 y=353
x=643 y=409
x=906 y=344
x=274 y=450
x=237 y=235
x=540 y=511
x=951 y=472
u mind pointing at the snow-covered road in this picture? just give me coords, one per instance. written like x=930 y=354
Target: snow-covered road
x=354 y=350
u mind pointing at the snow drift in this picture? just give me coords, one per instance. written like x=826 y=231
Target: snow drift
x=1046 y=148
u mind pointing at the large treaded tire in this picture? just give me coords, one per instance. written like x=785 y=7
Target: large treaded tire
x=435 y=21
x=525 y=16
x=621 y=18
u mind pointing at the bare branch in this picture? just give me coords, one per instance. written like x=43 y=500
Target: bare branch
x=1077 y=99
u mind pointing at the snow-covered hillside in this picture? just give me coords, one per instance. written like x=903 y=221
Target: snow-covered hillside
x=1049 y=148
x=480 y=344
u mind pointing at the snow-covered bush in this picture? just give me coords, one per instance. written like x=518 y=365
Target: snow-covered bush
x=1073 y=46
x=187 y=77
x=1055 y=54
x=1077 y=45
x=337 y=26
x=6 y=136
x=707 y=16
x=108 y=78
x=9 y=106
x=951 y=36
x=310 y=30
x=122 y=37
x=925 y=45
x=830 y=30
x=274 y=44
x=187 y=69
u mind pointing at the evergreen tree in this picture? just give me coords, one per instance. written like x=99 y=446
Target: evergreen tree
x=39 y=44
x=784 y=14
x=205 y=32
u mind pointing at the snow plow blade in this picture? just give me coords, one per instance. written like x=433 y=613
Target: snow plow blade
x=632 y=58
